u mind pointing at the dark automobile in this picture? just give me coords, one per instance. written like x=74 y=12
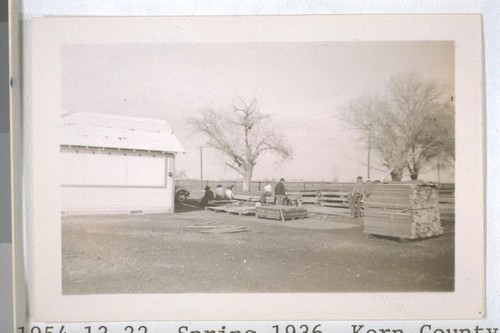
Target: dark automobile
x=181 y=194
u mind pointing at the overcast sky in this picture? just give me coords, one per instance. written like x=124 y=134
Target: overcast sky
x=302 y=85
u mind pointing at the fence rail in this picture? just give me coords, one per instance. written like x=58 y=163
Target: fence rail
x=258 y=186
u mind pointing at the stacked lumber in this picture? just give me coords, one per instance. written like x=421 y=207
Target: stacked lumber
x=447 y=203
x=306 y=197
x=404 y=210
x=280 y=212
x=334 y=199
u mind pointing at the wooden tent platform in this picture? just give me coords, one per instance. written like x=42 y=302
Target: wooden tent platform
x=221 y=202
x=281 y=212
x=233 y=209
x=217 y=209
x=241 y=210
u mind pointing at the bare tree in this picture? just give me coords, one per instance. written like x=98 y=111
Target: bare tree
x=242 y=135
x=410 y=126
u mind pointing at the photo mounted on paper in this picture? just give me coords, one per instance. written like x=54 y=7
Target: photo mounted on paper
x=241 y=167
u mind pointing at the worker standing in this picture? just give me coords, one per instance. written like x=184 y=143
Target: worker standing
x=355 y=197
x=279 y=192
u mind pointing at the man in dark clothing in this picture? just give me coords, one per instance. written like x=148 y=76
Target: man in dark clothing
x=209 y=195
x=279 y=192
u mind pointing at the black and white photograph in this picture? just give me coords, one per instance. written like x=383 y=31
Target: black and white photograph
x=255 y=166
x=258 y=167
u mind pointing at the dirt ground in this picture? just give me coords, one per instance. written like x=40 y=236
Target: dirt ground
x=192 y=251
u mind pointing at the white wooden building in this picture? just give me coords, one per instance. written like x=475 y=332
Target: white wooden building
x=114 y=164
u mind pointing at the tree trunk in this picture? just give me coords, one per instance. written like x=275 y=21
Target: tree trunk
x=247 y=178
x=413 y=172
x=396 y=175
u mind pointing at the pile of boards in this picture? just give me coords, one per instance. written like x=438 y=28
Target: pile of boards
x=265 y=211
x=447 y=203
x=403 y=210
x=233 y=209
x=281 y=212
x=325 y=198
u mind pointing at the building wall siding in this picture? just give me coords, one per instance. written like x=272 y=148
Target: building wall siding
x=104 y=200
x=127 y=183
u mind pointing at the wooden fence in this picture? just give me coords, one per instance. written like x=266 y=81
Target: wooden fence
x=258 y=186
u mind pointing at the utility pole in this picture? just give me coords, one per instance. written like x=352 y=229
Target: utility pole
x=439 y=172
x=369 y=151
x=201 y=166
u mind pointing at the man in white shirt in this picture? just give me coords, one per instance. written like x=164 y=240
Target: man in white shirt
x=228 y=194
x=219 y=193
x=268 y=189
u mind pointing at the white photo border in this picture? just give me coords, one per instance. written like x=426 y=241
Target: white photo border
x=48 y=303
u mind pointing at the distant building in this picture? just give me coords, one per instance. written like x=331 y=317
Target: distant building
x=116 y=164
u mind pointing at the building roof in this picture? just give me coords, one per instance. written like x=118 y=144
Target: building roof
x=111 y=131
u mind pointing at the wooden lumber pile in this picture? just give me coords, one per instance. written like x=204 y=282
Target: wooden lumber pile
x=447 y=203
x=305 y=197
x=334 y=199
x=280 y=212
x=325 y=198
x=404 y=210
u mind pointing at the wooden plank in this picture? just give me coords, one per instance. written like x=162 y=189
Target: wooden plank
x=274 y=212
x=216 y=209
x=330 y=199
x=330 y=211
x=387 y=205
x=241 y=210
x=389 y=216
x=370 y=220
x=221 y=202
x=334 y=203
x=242 y=197
x=334 y=194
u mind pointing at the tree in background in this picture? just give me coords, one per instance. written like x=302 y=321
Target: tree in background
x=410 y=126
x=242 y=134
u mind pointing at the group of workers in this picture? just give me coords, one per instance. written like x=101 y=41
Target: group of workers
x=220 y=194
x=227 y=194
x=279 y=192
x=359 y=190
